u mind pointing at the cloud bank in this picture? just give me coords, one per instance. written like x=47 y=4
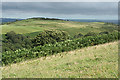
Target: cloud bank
x=61 y=9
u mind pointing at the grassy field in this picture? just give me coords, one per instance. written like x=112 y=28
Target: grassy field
x=30 y=26
x=90 y=62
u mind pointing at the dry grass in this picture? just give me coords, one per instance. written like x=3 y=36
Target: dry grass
x=90 y=62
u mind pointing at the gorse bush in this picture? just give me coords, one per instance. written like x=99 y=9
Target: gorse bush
x=15 y=41
x=105 y=32
x=50 y=36
x=78 y=35
x=50 y=49
x=91 y=34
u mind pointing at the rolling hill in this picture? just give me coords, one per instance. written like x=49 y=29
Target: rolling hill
x=34 y=26
x=91 y=62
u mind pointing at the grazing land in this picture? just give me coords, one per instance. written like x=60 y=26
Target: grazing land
x=33 y=27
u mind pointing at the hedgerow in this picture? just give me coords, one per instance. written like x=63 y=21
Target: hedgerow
x=9 y=57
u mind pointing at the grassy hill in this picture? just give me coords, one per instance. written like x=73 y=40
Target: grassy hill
x=34 y=26
x=90 y=62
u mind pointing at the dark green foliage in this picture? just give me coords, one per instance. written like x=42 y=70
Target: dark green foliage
x=78 y=35
x=17 y=20
x=50 y=49
x=50 y=36
x=91 y=34
x=109 y=23
x=15 y=41
x=105 y=32
x=43 y=18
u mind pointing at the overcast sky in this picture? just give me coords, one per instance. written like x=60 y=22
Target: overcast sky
x=68 y=10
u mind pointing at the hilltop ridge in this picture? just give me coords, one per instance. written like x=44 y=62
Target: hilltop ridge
x=34 y=25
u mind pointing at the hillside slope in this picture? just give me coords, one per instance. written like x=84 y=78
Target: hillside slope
x=34 y=26
x=91 y=62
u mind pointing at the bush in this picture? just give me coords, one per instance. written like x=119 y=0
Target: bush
x=50 y=49
x=15 y=41
x=105 y=32
x=91 y=34
x=50 y=36
x=78 y=35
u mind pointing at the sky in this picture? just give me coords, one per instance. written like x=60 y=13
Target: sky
x=63 y=10
x=59 y=0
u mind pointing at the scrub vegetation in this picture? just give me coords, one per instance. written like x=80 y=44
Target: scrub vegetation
x=36 y=47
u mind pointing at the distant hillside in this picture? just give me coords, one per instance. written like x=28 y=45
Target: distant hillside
x=12 y=19
x=32 y=27
x=78 y=20
x=93 y=20
x=9 y=19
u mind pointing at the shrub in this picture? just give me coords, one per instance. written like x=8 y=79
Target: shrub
x=90 y=34
x=15 y=41
x=78 y=35
x=50 y=36
x=105 y=32
x=50 y=49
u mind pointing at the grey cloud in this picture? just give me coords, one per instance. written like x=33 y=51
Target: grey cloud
x=60 y=0
x=61 y=8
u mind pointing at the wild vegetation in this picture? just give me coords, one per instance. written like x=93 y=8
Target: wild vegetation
x=13 y=41
x=43 y=18
x=42 y=37
x=100 y=61
x=50 y=36
x=50 y=49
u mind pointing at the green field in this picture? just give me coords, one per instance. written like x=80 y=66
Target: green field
x=90 y=62
x=33 y=27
